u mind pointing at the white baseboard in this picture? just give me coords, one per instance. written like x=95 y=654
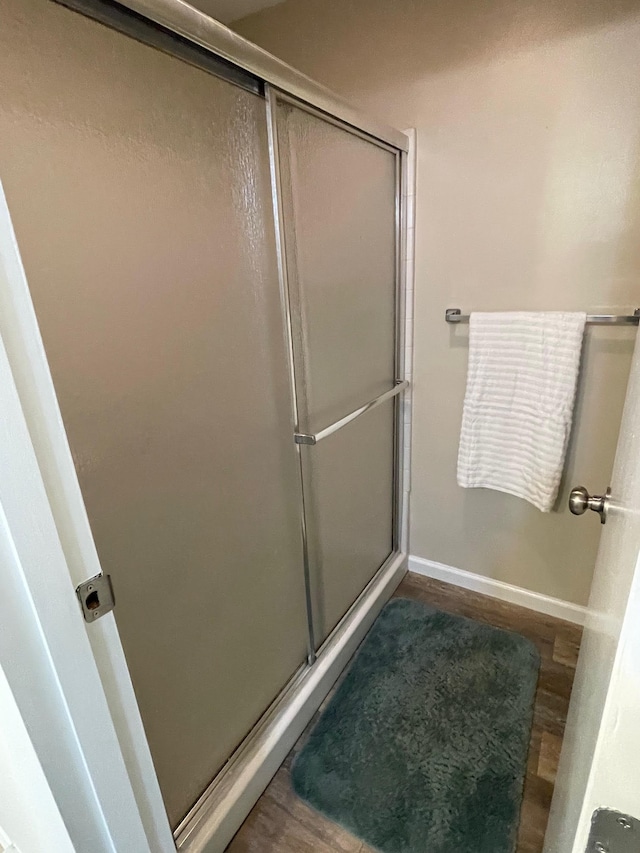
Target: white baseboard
x=498 y=589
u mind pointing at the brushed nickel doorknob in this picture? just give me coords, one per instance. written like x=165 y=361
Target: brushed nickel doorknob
x=580 y=501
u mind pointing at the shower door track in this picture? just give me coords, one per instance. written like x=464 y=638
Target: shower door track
x=191 y=28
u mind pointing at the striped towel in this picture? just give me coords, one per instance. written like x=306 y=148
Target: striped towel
x=521 y=386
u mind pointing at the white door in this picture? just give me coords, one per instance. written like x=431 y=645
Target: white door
x=600 y=761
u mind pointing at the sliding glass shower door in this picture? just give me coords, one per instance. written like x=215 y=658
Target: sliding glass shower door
x=339 y=211
x=142 y=190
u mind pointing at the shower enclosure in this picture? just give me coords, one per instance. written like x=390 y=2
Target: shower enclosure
x=214 y=263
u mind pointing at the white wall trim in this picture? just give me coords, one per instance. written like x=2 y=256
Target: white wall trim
x=555 y=607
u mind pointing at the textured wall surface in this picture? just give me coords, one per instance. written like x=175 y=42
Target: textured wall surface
x=528 y=123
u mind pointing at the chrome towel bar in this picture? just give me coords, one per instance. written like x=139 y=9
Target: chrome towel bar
x=307 y=438
x=454 y=315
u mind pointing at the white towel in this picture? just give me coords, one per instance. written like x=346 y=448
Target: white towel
x=521 y=385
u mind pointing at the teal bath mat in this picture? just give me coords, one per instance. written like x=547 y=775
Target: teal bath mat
x=423 y=747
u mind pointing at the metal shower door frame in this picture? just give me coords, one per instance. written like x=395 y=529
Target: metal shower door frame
x=187 y=23
x=275 y=96
x=285 y=299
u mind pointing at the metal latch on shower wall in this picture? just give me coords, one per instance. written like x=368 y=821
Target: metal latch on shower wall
x=96 y=597
x=613 y=832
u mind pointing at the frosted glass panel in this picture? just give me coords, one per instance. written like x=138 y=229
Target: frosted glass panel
x=339 y=192
x=341 y=253
x=140 y=192
x=350 y=487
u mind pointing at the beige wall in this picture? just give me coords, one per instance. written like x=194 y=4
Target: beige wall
x=528 y=121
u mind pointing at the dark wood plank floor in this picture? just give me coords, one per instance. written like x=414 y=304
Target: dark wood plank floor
x=281 y=822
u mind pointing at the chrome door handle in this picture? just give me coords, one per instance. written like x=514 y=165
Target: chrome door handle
x=580 y=501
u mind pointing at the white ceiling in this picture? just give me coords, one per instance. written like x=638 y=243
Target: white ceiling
x=231 y=10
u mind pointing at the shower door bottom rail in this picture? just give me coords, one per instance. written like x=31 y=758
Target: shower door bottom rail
x=313 y=438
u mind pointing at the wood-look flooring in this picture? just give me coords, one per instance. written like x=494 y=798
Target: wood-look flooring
x=281 y=822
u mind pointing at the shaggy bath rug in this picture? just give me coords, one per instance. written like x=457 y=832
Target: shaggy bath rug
x=423 y=747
